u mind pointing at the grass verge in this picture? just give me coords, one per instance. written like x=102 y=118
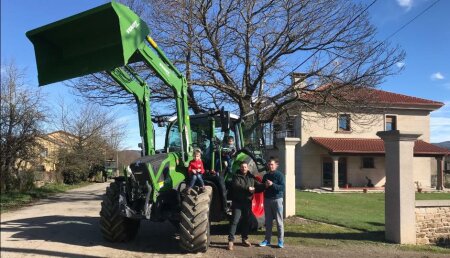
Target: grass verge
x=15 y=200
x=359 y=218
x=359 y=211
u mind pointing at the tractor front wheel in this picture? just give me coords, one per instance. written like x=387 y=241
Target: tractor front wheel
x=194 y=221
x=115 y=227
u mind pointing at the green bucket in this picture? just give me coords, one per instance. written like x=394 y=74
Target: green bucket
x=96 y=40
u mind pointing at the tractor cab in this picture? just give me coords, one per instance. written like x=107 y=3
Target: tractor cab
x=210 y=133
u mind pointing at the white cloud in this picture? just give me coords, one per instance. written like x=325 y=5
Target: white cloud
x=400 y=64
x=437 y=76
x=407 y=4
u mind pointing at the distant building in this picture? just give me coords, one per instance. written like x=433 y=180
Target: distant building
x=50 y=145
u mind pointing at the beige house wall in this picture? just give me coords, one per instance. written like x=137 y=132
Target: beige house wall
x=416 y=120
x=309 y=155
x=422 y=171
x=356 y=175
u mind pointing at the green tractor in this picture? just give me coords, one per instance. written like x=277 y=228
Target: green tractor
x=110 y=168
x=109 y=38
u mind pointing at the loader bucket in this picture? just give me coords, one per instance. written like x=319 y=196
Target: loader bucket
x=96 y=40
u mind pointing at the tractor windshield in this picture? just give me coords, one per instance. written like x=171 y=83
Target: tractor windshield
x=205 y=132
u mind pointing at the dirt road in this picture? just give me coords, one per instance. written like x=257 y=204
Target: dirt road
x=66 y=225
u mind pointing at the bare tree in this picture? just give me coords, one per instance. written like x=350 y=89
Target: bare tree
x=92 y=135
x=241 y=53
x=21 y=120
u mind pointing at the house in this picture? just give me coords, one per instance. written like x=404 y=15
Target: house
x=50 y=145
x=345 y=144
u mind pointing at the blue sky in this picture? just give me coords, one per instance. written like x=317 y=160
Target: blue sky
x=426 y=42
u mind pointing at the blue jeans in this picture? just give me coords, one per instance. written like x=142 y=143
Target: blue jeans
x=226 y=158
x=240 y=210
x=194 y=178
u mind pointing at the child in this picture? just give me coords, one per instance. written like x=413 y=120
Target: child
x=228 y=151
x=195 y=171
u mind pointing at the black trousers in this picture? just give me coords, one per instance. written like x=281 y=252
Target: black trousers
x=240 y=210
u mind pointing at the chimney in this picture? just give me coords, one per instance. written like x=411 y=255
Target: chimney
x=299 y=80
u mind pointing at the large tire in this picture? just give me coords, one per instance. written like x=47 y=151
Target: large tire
x=256 y=223
x=194 y=221
x=115 y=227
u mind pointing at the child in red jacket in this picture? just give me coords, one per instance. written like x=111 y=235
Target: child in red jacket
x=196 y=170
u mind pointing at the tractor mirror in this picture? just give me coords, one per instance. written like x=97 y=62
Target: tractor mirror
x=140 y=145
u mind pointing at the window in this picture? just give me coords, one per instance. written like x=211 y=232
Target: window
x=174 y=139
x=201 y=135
x=285 y=128
x=40 y=168
x=44 y=152
x=344 y=122
x=268 y=134
x=368 y=162
x=391 y=123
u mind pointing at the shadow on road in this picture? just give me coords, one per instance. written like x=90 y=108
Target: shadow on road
x=78 y=196
x=84 y=231
x=45 y=252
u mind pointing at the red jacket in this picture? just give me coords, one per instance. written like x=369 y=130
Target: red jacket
x=196 y=165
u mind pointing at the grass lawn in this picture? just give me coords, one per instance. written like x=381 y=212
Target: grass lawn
x=359 y=218
x=15 y=200
x=433 y=196
x=352 y=210
x=358 y=211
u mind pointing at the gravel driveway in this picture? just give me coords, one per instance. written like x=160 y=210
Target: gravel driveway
x=66 y=225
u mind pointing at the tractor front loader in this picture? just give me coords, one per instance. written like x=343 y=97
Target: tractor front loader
x=109 y=38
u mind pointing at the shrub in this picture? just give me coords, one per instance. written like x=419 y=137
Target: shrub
x=74 y=175
x=25 y=180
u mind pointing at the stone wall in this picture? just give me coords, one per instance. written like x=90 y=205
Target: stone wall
x=433 y=222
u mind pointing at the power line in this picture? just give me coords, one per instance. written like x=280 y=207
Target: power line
x=413 y=19
x=388 y=37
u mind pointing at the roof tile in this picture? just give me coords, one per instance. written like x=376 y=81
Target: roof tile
x=372 y=146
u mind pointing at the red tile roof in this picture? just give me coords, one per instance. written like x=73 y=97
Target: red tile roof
x=395 y=98
x=373 y=146
x=378 y=96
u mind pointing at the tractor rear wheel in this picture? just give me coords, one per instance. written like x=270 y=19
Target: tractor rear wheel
x=194 y=221
x=115 y=227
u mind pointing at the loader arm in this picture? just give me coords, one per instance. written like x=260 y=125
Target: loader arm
x=109 y=38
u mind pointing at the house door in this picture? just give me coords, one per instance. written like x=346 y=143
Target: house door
x=327 y=172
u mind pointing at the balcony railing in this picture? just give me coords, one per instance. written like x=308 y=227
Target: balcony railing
x=284 y=134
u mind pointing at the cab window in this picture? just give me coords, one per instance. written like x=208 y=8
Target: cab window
x=174 y=140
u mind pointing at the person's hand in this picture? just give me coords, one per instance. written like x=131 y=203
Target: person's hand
x=269 y=183
x=251 y=189
x=194 y=172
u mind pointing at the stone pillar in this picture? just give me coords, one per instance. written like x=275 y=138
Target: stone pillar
x=440 y=173
x=400 y=220
x=286 y=147
x=335 y=173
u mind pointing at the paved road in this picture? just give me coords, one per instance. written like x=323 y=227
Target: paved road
x=66 y=225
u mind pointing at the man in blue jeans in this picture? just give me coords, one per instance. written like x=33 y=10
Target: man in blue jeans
x=273 y=202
